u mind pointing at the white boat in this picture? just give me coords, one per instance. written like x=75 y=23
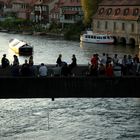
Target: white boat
x=97 y=38
x=20 y=47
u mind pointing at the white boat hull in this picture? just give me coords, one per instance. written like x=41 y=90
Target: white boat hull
x=90 y=37
x=20 y=47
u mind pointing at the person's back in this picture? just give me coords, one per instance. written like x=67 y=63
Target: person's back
x=16 y=61
x=4 y=61
x=73 y=63
x=25 y=69
x=59 y=61
x=43 y=70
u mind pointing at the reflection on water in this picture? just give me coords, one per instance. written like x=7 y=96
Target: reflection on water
x=70 y=119
x=110 y=49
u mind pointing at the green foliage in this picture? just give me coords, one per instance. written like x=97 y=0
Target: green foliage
x=89 y=8
x=14 y=23
x=73 y=31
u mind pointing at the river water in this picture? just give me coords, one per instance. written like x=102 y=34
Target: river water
x=70 y=119
x=46 y=49
x=67 y=119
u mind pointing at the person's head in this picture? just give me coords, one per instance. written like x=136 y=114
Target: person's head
x=73 y=55
x=60 y=55
x=31 y=57
x=116 y=55
x=4 y=55
x=14 y=56
x=42 y=64
x=26 y=61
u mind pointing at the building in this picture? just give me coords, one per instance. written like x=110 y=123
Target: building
x=42 y=9
x=55 y=12
x=121 y=18
x=20 y=8
x=5 y=7
x=71 y=12
x=23 y=8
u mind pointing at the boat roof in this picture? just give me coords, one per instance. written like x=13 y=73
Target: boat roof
x=18 y=43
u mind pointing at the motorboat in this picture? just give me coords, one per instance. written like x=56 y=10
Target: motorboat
x=98 y=38
x=20 y=47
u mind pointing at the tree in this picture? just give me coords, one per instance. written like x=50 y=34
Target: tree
x=89 y=8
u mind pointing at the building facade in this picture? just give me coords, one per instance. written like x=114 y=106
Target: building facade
x=42 y=10
x=121 y=18
x=71 y=12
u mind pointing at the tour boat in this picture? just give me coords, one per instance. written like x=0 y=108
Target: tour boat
x=20 y=47
x=97 y=38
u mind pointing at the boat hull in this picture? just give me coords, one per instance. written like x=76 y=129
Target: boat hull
x=20 y=47
x=91 y=37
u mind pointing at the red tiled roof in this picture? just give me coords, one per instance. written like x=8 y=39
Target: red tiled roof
x=120 y=2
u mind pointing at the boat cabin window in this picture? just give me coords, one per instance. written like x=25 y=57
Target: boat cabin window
x=99 y=37
x=91 y=36
x=87 y=36
x=94 y=37
x=108 y=37
x=104 y=37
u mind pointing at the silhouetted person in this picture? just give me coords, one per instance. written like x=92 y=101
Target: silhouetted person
x=4 y=61
x=15 y=70
x=73 y=63
x=16 y=61
x=31 y=62
x=25 y=69
x=65 y=70
x=59 y=61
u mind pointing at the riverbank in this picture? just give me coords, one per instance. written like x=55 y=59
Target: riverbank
x=35 y=33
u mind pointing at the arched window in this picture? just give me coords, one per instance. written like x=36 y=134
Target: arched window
x=126 y=12
x=117 y=11
x=101 y=11
x=109 y=11
x=135 y=12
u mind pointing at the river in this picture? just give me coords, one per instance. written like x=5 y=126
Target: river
x=67 y=119
x=46 y=49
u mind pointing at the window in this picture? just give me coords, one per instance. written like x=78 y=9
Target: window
x=101 y=11
x=126 y=12
x=104 y=37
x=135 y=12
x=117 y=11
x=109 y=11
x=123 y=26
x=132 y=27
x=98 y=24
x=106 y=25
x=114 y=25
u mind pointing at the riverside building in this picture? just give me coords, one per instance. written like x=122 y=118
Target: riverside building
x=120 y=18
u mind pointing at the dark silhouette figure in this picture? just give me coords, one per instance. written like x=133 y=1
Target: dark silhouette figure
x=25 y=69
x=15 y=70
x=73 y=63
x=65 y=70
x=31 y=62
x=16 y=61
x=4 y=61
x=59 y=61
